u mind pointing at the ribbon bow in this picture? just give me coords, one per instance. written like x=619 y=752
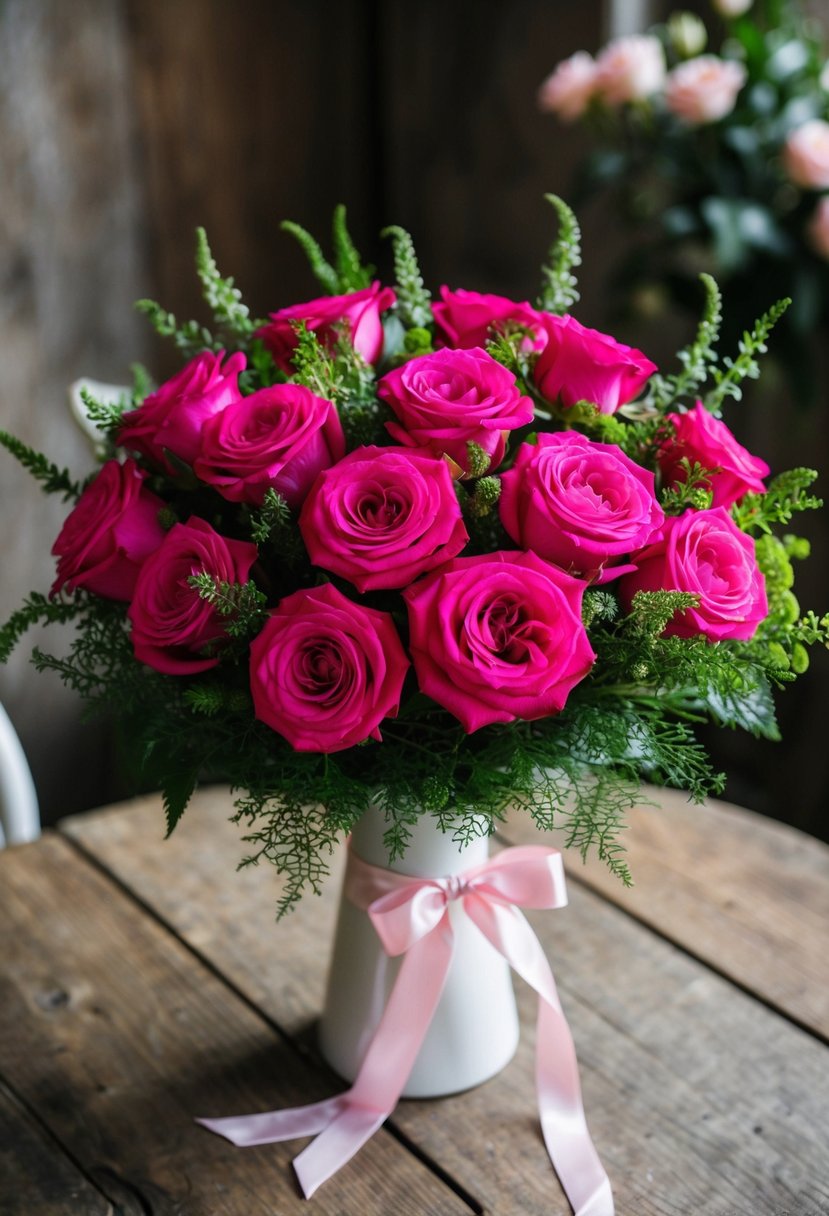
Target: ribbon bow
x=411 y=917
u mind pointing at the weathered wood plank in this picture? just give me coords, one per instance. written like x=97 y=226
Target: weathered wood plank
x=700 y=1099
x=747 y=895
x=36 y=1176
x=116 y=1036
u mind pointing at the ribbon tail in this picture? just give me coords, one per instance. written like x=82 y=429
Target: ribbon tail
x=274 y=1125
x=336 y=1145
x=563 y=1121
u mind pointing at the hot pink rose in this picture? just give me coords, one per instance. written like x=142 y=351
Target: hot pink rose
x=498 y=637
x=701 y=438
x=325 y=671
x=171 y=624
x=704 y=552
x=806 y=155
x=468 y=318
x=109 y=534
x=173 y=416
x=580 y=504
x=569 y=90
x=382 y=517
x=704 y=89
x=451 y=398
x=819 y=228
x=280 y=437
x=630 y=69
x=359 y=311
x=581 y=364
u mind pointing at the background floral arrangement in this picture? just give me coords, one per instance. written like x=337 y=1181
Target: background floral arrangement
x=719 y=160
x=448 y=557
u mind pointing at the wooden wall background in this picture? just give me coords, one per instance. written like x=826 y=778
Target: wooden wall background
x=125 y=123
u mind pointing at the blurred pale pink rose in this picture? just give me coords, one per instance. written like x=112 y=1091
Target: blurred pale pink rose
x=806 y=155
x=819 y=227
x=704 y=89
x=569 y=90
x=732 y=8
x=630 y=69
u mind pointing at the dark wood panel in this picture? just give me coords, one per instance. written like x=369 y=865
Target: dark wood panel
x=249 y=114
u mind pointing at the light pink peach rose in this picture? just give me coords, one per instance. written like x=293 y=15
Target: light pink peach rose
x=732 y=8
x=569 y=90
x=819 y=227
x=630 y=69
x=704 y=89
x=806 y=155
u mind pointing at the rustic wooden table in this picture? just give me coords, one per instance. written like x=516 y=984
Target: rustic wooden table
x=143 y=982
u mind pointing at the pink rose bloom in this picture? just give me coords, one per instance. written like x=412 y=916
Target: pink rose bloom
x=818 y=227
x=581 y=364
x=580 y=504
x=806 y=155
x=325 y=671
x=451 y=398
x=171 y=624
x=704 y=552
x=569 y=90
x=109 y=534
x=280 y=437
x=498 y=637
x=704 y=89
x=701 y=438
x=382 y=517
x=359 y=312
x=173 y=416
x=630 y=69
x=468 y=318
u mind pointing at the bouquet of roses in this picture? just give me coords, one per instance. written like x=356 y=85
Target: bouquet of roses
x=443 y=557
x=719 y=161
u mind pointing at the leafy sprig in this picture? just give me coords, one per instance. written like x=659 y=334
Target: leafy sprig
x=53 y=479
x=559 y=291
x=728 y=379
x=222 y=297
x=243 y=604
x=414 y=300
x=347 y=273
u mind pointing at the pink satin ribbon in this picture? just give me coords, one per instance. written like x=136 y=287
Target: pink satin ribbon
x=411 y=916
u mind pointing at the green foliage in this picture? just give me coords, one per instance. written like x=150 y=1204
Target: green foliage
x=37 y=610
x=190 y=337
x=414 y=301
x=347 y=274
x=693 y=490
x=478 y=461
x=651 y=611
x=314 y=366
x=728 y=380
x=696 y=360
x=231 y=315
x=106 y=415
x=351 y=273
x=785 y=495
x=559 y=285
x=273 y=527
x=52 y=479
x=141 y=383
x=243 y=604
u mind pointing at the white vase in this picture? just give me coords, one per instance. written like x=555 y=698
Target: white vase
x=474 y=1032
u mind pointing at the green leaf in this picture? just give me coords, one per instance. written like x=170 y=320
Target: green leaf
x=177 y=790
x=52 y=479
x=322 y=270
x=352 y=275
x=559 y=285
x=414 y=302
x=220 y=295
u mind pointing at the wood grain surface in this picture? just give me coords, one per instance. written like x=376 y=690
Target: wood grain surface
x=700 y=1098
x=747 y=895
x=117 y=1036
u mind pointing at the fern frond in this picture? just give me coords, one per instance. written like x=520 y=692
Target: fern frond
x=559 y=285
